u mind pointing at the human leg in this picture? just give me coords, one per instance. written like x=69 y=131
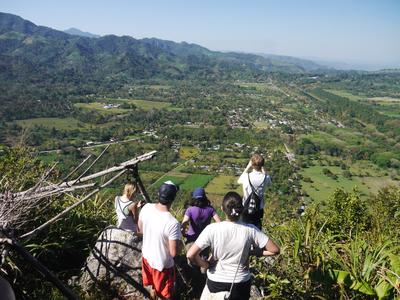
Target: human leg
x=162 y=282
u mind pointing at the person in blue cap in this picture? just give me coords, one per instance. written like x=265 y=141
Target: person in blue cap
x=198 y=216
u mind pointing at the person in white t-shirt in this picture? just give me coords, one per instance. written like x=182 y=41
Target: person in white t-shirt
x=230 y=241
x=259 y=179
x=126 y=209
x=161 y=242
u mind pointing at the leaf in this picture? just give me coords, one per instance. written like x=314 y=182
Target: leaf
x=395 y=263
x=296 y=249
x=342 y=277
x=363 y=287
x=308 y=229
x=382 y=289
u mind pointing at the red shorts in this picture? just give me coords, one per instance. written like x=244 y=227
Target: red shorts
x=162 y=282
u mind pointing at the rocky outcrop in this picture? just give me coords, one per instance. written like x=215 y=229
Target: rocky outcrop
x=114 y=266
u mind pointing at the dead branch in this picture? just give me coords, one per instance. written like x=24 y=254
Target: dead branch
x=16 y=208
x=76 y=169
x=67 y=210
x=91 y=165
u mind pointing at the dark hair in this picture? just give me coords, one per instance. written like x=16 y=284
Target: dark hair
x=202 y=202
x=232 y=205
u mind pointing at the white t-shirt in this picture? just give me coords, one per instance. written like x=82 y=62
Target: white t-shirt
x=227 y=241
x=259 y=181
x=125 y=218
x=158 y=228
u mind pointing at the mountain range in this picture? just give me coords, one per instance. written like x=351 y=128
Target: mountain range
x=31 y=53
x=76 y=31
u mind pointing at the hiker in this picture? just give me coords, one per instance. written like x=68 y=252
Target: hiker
x=301 y=211
x=254 y=182
x=228 y=275
x=197 y=216
x=127 y=209
x=161 y=242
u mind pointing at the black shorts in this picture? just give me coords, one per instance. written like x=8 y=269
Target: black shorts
x=255 y=219
x=240 y=290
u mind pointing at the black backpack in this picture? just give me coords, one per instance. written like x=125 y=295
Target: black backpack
x=253 y=201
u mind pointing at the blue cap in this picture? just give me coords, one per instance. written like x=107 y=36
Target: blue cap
x=199 y=193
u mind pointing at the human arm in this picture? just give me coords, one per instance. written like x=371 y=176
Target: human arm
x=174 y=238
x=263 y=245
x=133 y=209
x=140 y=227
x=243 y=176
x=185 y=223
x=175 y=247
x=270 y=249
x=216 y=218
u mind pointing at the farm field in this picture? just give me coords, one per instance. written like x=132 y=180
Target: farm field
x=99 y=106
x=346 y=94
x=146 y=104
x=323 y=186
x=58 y=123
x=222 y=184
x=142 y=104
x=385 y=99
x=187 y=182
x=188 y=152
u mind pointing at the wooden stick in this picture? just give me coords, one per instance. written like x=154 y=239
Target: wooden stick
x=91 y=165
x=44 y=177
x=135 y=173
x=126 y=164
x=68 y=209
x=76 y=169
x=55 y=192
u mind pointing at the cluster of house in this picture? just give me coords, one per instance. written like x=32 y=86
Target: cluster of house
x=237 y=118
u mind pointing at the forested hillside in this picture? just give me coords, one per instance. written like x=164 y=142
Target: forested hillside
x=37 y=62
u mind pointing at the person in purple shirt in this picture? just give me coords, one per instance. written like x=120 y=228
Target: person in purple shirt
x=198 y=216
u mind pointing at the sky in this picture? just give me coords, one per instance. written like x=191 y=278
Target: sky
x=363 y=32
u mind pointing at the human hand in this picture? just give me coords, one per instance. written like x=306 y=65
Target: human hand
x=212 y=261
x=141 y=203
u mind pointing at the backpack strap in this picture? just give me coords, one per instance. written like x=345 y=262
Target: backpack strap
x=253 y=191
x=228 y=296
x=251 y=185
x=123 y=208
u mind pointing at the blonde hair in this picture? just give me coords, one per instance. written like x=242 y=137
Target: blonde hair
x=129 y=190
x=257 y=161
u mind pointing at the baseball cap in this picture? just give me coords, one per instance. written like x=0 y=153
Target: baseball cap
x=167 y=192
x=199 y=193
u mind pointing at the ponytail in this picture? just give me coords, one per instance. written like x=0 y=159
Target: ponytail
x=232 y=206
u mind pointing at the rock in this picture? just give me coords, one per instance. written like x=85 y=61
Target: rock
x=6 y=290
x=113 y=268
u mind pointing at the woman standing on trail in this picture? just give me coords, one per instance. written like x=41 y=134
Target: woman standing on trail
x=228 y=275
x=198 y=216
x=127 y=209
